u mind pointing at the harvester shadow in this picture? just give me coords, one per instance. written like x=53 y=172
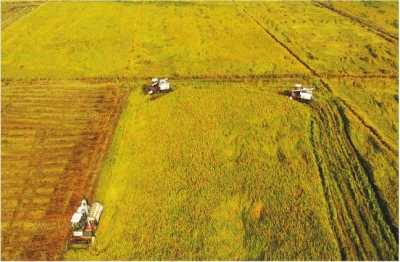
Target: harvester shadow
x=284 y=93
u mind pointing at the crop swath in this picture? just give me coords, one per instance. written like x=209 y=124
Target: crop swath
x=51 y=154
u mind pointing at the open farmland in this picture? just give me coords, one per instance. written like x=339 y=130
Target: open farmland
x=223 y=168
x=186 y=39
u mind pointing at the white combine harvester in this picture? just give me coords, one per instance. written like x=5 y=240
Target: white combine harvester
x=84 y=223
x=161 y=86
x=157 y=87
x=302 y=94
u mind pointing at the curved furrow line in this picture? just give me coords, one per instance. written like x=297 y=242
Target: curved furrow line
x=346 y=179
x=327 y=188
x=359 y=211
x=350 y=218
x=341 y=194
x=322 y=156
x=335 y=193
x=368 y=179
x=370 y=204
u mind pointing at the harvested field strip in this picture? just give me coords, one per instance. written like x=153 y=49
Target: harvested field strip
x=54 y=148
x=54 y=161
x=55 y=154
x=204 y=78
x=44 y=101
x=380 y=32
x=362 y=234
x=11 y=12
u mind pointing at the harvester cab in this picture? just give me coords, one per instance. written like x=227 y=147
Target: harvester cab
x=84 y=224
x=78 y=221
x=302 y=94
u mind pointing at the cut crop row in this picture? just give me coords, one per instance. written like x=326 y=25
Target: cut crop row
x=11 y=12
x=55 y=151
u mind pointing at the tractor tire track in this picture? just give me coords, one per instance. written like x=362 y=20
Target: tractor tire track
x=371 y=129
x=369 y=175
x=354 y=205
x=378 y=31
x=332 y=205
x=338 y=190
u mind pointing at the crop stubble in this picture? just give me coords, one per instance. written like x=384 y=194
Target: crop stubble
x=51 y=155
x=12 y=11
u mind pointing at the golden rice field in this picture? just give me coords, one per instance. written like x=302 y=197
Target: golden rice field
x=225 y=167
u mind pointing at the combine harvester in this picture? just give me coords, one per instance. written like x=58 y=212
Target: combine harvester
x=158 y=88
x=301 y=94
x=84 y=223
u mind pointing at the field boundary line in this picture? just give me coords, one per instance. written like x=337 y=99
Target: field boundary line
x=378 y=31
x=281 y=44
x=205 y=78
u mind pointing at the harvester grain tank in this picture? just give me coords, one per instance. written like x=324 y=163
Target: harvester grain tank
x=84 y=224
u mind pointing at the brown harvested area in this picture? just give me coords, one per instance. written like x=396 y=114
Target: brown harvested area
x=51 y=156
